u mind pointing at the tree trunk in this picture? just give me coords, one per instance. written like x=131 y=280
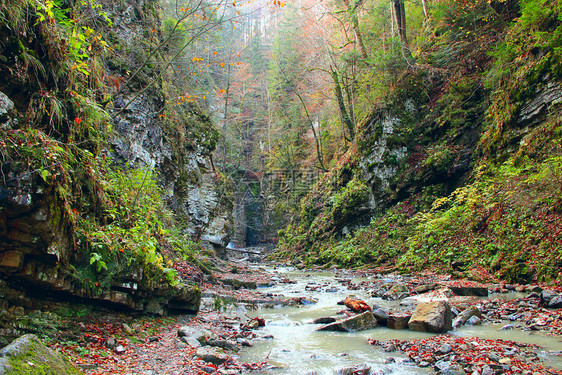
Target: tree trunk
x=358 y=37
x=425 y=11
x=344 y=115
x=400 y=15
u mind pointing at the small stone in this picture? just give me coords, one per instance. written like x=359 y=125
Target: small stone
x=473 y=321
x=505 y=361
x=355 y=370
x=244 y=342
x=211 y=355
x=445 y=349
x=110 y=343
x=120 y=349
x=180 y=345
x=390 y=348
x=494 y=357
x=555 y=302
x=190 y=341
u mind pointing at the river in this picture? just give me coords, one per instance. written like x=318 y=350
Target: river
x=298 y=349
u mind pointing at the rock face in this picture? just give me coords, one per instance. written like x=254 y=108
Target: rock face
x=27 y=355
x=434 y=317
x=355 y=323
x=182 y=161
x=37 y=249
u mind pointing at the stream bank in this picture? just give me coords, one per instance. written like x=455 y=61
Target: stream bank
x=260 y=320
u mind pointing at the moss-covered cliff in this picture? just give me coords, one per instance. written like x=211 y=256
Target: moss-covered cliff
x=458 y=168
x=105 y=188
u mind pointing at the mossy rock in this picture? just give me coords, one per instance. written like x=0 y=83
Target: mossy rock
x=27 y=355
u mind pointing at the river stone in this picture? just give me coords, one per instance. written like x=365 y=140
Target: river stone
x=355 y=370
x=187 y=334
x=325 y=320
x=398 y=291
x=211 y=355
x=425 y=288
x=398 y=321
x=446 y=368
x=469 y=291
x=555 y=302
x=381 y=316
x=465 y=315
x=27 y=355
x=546 y=296
x=434 y=317
x=355 y=323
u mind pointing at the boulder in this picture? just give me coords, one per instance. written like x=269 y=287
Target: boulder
x=398 y=321
x=381 y=316
x=425 y=288
x=465 y=315
x=434 y=317
x=356 y=305
x=225 y=344
x=469 y=291
x=355 y=323
x=27 y=355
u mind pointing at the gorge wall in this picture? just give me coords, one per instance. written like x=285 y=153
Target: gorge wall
x=65 y=129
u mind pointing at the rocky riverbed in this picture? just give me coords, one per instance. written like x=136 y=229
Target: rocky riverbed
x=249 y=316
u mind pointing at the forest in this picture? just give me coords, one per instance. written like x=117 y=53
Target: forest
x=163 y=161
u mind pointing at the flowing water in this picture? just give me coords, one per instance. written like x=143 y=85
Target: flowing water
x=297 y=349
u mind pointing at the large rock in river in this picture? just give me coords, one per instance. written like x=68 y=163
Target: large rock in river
x=355 y=323
x=435 y=317
x=27 y=355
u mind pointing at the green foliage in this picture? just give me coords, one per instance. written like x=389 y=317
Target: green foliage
x=529 y=56
x=477 y=212
x=136 y=231
x=113 y=223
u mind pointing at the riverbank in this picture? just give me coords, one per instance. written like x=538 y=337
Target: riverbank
x=261 y=321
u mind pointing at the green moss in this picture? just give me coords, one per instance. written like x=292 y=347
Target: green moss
x=33 y=358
